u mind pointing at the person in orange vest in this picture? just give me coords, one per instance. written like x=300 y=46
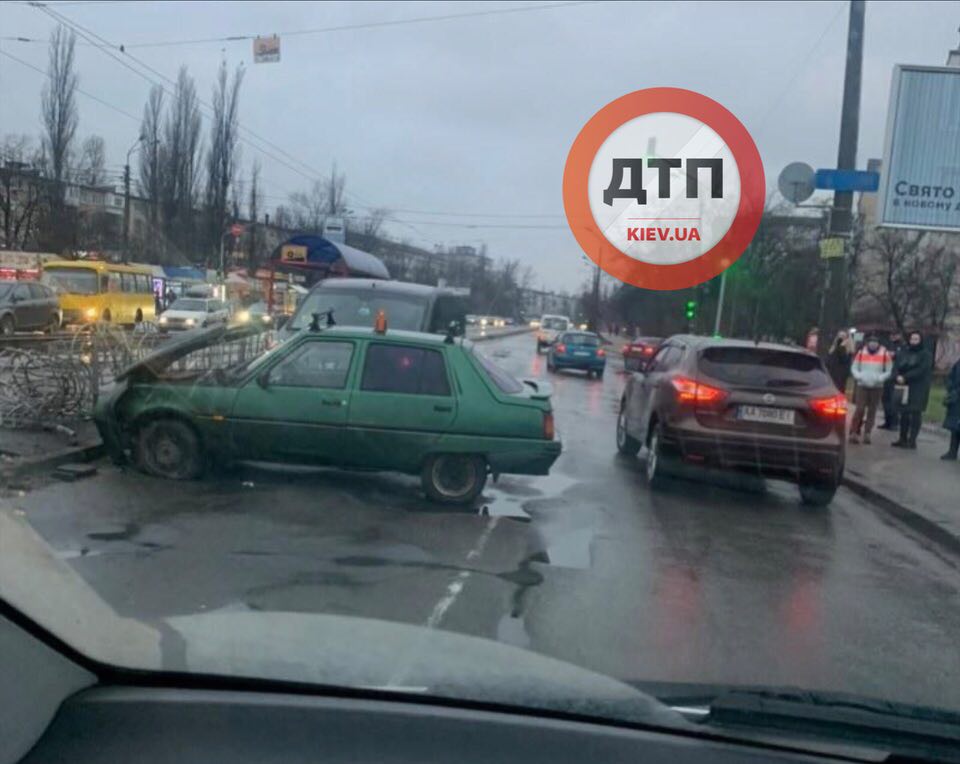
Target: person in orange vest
x=871 y=367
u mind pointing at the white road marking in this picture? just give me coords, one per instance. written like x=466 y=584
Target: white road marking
x=460 y=580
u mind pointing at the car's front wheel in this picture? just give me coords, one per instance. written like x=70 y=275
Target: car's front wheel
x=169 y=448
x=454 y=478
x=816 y=492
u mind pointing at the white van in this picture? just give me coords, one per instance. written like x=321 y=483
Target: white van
x=550 y=328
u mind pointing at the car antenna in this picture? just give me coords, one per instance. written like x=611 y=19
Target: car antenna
x=330 y=319
x=315 y=322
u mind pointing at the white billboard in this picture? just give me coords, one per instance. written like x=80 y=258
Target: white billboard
x=920 y=179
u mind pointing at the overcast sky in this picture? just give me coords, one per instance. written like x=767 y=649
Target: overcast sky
x=474 y=116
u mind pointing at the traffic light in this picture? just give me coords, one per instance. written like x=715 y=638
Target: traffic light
x=690 y=310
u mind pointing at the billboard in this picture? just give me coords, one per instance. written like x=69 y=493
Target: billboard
x=920 y=184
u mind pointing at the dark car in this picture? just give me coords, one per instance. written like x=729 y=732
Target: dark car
x=770 y=410
x=637 y=352
x=28 y=306
x=577 y=350
x=355 y=302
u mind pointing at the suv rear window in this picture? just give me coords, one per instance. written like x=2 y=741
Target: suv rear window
x=762 y=367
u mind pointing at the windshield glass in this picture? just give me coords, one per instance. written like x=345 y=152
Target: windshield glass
x=72 y=280
x=359 y=308
x=198 y=306
x=666 y=387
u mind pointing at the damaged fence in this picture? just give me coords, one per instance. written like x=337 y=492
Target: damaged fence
x=48 y=380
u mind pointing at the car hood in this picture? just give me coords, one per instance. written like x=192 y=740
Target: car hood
x=302 y=648
x=176 y=348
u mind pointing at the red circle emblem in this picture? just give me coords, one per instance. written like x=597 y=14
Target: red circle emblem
x=629 y=269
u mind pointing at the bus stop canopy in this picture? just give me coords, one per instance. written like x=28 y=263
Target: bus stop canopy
x=315 y=253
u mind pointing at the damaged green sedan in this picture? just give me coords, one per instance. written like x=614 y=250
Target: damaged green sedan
x=341 y=396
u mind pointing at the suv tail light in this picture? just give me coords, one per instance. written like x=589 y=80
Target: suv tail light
x=561 y=348
x=834 y=407
x=548 y=429
x=697 y=393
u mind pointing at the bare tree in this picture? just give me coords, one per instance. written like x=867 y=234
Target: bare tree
x=224 y=155
x=151 y=128
x=308 y=209
x=336 y=184
x=20 y=191
x=59 y=110
x=178 y=161
x=91 y=170
x=373 y=222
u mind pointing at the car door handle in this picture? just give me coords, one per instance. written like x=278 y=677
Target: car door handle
x=443 y=408
x=331 y=402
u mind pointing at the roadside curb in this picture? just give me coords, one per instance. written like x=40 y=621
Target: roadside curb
x=927 y=528
x=84 y=453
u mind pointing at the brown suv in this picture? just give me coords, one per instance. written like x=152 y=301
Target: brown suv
x=770 y=410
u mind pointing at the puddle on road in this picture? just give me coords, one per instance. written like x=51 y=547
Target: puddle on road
x=571 y=550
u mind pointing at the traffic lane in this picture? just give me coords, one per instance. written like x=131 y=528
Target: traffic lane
x=365 y=544
x=722 y=579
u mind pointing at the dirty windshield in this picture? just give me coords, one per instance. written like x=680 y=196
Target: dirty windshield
x=700 y=424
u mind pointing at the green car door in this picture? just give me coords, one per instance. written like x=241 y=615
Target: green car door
x=401 y=406
x=296 y=408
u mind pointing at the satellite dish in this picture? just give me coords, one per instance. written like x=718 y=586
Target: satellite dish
x=796 y=182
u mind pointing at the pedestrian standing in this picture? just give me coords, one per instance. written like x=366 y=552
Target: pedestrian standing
x=839 y=359
x=872 y=366
x=951 y=420
x=157 y=303
x=913 y=374
x=891 y=419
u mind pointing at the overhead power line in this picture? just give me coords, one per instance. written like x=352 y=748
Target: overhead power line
x=327 y=29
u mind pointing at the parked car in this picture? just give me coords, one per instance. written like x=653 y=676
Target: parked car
x=343 y=396
x=356 y=302
x=578 y=350
x=637 y=352
x=549 y=329
x=761 y=408
x=193 y=313
x=28 y=306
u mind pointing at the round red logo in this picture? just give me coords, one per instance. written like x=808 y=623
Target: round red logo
x=663 y=188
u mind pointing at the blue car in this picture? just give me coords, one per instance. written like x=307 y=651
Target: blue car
x=577 y=350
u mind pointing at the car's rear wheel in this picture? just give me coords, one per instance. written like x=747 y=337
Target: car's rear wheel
x=454 y=478
x=816 y=492
x=625 y=443
x=7 y=327
x=655 y=467
x=169 y=448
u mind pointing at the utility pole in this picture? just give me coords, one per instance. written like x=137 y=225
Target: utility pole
x=841 y=220
x=723 y=289
x=126 y=212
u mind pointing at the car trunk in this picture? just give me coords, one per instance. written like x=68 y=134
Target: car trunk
x=768 y=392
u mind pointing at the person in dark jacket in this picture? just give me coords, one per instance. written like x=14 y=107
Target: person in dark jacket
x=951 y=421
x=914 y=371
x=839 y=360
x=891 y=420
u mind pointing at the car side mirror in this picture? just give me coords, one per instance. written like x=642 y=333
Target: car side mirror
x=263 y=379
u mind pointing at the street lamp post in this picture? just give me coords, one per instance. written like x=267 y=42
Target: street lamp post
x=126 y=199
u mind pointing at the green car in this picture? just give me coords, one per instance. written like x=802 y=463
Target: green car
x=342 y=396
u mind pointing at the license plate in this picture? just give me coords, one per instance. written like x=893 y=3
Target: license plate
x=582 y=352
x=766 y=414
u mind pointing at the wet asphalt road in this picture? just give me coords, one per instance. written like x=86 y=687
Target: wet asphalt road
x=697 y=583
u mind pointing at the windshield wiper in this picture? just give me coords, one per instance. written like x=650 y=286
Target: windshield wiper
x=901 y=727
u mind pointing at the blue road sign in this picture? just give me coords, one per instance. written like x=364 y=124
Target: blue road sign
x=847 y=180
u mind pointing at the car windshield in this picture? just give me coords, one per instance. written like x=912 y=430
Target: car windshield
x=621 y=337
x=72 y=280
x=187 y=304
x=360 y=308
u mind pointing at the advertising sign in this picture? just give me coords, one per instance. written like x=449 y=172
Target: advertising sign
x=293 y=253
x=266 y=50
x=920 y=187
